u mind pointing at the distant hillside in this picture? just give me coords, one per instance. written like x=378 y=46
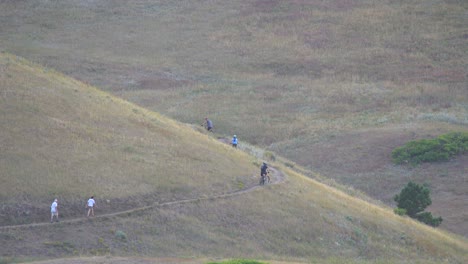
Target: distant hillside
x=333 y=85
x=62 y=138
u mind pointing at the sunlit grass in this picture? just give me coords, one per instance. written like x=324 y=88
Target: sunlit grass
x=70 y=140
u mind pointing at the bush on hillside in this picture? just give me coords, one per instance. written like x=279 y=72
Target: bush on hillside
x=431 y=150
x=427 y=218
x=269 y=156
x=412 y=200
x=121 y=235
x=400 y=211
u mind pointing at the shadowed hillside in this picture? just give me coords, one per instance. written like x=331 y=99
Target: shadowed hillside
x=57 y=133
x=332 y=85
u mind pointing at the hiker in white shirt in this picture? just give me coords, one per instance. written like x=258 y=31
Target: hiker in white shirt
x=90 y=205
x=54 y=211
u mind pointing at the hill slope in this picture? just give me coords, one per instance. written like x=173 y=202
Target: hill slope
x=61 y=138
x=333 y=85
x=49 y=121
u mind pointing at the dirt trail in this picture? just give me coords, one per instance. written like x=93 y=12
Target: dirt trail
x=277 y=177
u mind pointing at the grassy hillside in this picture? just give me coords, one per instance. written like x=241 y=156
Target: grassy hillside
x=57 y=131
x=333 y=85
x=61 y=138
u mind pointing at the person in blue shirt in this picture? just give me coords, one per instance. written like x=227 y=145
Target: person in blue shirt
x=234 y=141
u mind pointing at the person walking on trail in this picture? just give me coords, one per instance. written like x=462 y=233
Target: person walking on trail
x=234 y=141
x=90 y=205
x=208 y=124
x=54 y=211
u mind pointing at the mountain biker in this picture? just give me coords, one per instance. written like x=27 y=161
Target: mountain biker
x=264 y=173
x=264 y=169
x=208 y=124
x=234 y=141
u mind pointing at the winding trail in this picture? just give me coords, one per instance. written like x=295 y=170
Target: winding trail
x=277 y=177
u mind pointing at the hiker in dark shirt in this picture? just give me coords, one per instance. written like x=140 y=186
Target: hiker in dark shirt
x=208 y=124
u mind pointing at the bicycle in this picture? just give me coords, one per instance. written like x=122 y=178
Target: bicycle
x=265 y=178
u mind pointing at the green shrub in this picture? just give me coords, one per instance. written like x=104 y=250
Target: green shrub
x=427 y=218
x=399 y=211
x=6 y=260
x=121 y=235
x=412 y=200
x=64 y=246
x=269 y=156
x=431 y=150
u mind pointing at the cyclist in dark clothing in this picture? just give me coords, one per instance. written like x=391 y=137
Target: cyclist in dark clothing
x=264 y=177
x=263 y=169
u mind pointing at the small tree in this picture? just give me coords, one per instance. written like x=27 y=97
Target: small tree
x=414 y=198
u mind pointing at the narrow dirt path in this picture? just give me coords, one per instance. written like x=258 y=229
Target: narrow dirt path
x=277 y=177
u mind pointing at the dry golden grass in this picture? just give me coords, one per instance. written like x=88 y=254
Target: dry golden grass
x=301 y=220
x=333 y=85
x=61 y=138
x=386 y=219
x=267 y=70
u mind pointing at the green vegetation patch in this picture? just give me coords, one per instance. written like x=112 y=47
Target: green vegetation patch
x=413 y=200
x=64 y=246
x=238 y=261
x=119 y=234
x=431 y=150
